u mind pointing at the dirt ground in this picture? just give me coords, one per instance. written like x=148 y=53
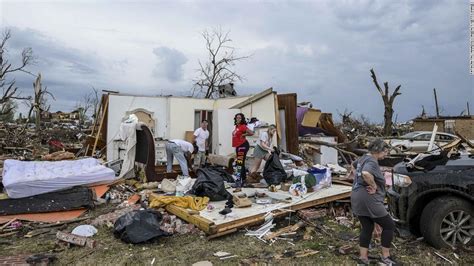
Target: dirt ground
x=188 y=249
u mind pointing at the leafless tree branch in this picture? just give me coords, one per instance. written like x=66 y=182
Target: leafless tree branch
x=217 y=70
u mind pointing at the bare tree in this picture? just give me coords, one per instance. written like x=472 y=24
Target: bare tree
x=88 y=104
x=39 y=104
x=387 y=102
x=218 y=68
x=9 y=90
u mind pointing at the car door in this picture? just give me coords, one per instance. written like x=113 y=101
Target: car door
x=442 y=139
x=421 y=142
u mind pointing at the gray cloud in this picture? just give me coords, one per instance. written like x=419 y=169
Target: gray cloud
x=170 y=63
x=322 y=50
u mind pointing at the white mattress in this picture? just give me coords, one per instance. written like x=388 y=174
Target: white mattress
x=24 y=179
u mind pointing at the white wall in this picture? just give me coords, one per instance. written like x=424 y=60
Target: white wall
x=120 y=104
x=181 y=113
x=226 y=103
x=263 y=109
x=175 y=115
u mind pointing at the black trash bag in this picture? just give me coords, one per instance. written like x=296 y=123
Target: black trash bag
x=221 y=171
x=273 y=172
x=139 y=226
x=210 y=183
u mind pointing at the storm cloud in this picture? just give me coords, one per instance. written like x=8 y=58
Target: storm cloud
x=322 y=50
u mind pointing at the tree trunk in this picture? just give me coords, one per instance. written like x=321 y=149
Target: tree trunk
x=388 y=115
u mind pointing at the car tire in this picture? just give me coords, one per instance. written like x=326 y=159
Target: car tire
x=439 y=218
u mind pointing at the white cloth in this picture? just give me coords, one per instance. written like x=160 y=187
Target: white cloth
x=185 y=146
x=201 y=137
x=128 y=133
x=24 y=179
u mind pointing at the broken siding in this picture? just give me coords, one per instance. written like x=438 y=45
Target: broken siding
x=464 y=126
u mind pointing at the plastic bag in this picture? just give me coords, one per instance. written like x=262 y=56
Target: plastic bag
x=138 y=226
x=273 y=172
x=85 y=230
x=210 y=183
x=323 y=176
x=183 y=185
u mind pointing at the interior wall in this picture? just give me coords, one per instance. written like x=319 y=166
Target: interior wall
x=120 y=104
x=181 y=114
x=263 y=109
x=226 y=103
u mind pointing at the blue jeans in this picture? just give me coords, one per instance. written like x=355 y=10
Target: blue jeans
x=174 y=150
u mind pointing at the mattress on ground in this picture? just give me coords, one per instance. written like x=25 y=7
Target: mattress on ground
x=24 y=179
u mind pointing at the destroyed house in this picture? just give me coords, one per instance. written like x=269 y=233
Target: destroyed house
x=173 y=117
x=463 y=125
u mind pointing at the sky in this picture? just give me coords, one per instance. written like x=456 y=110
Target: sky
x=321 y=49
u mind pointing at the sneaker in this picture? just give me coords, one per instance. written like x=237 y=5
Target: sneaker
x=361 y=261
x=389 y=261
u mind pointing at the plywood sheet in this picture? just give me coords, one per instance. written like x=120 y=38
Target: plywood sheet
x=215 y=224
x=311 y=118
x=255 y=209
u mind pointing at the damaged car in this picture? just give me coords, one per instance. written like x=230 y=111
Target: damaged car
x=418 y=141
x=433 y=196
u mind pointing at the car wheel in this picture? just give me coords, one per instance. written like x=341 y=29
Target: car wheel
x=448 y=222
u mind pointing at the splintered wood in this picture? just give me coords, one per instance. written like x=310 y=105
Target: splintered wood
x=76 y=240
x=285 y=230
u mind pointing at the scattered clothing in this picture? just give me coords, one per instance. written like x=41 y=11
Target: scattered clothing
x=194 y=203
x=225 y=211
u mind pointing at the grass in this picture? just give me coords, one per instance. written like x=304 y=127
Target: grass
x=188 y=249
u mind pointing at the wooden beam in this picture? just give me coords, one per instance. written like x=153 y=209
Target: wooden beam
x=199 y=221
x=436 y=102
x=104 y=111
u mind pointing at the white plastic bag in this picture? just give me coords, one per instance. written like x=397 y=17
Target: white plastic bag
x=84 y=230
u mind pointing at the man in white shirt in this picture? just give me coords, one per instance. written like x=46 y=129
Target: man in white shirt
x=180 y=149
x=200 y=137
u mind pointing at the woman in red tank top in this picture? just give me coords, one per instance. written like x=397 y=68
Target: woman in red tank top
x=241 y=145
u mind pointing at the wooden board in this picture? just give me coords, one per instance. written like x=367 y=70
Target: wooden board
x=215 y=224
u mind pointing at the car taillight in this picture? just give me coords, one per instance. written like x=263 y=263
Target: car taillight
x=401 y=180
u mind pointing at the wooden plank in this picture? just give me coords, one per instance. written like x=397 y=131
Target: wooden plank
x=284 y=230
x=76 y=240
x=321 y=201
x=288 y=102
x=102 y=119
x=214 y=230
x=221 y=234
x=259 y=218
x=199 y=221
